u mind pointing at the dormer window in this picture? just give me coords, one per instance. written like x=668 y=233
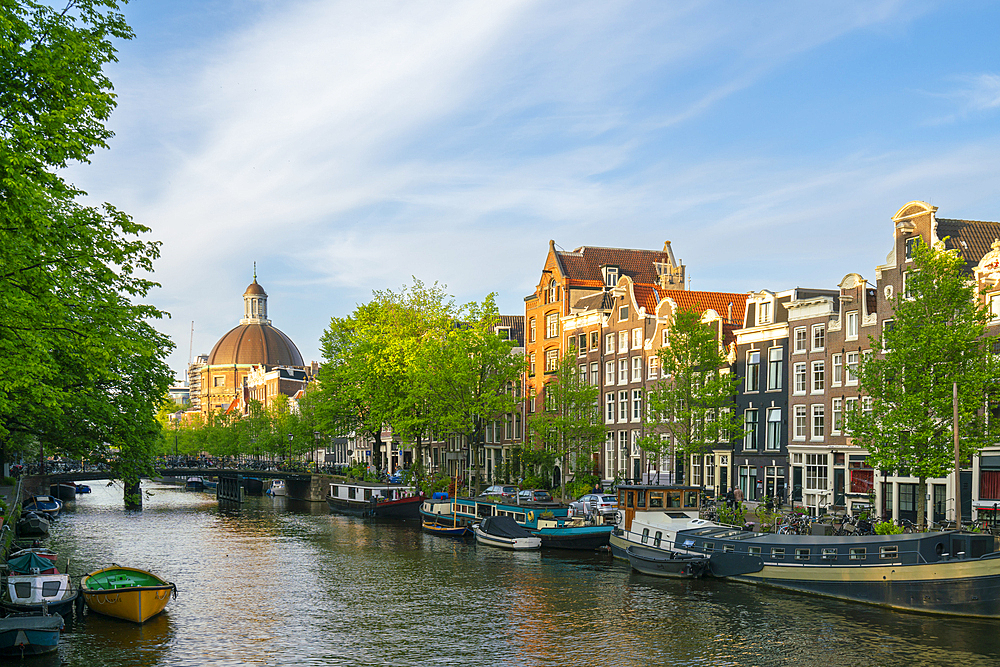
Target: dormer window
x=610 y=275
x=764 y=312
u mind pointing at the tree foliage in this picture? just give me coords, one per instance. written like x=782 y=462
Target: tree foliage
x=692 y=402
x=936 y=340
x=570 y=424
x=83 y=366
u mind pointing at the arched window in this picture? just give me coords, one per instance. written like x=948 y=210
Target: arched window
x=553 y=294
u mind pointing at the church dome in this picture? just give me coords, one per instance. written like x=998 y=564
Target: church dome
x=255 y=289
x=255 y=343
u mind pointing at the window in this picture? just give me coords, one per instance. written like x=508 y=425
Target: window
x=774 y=371
x=654 y=366
x=666 y=337
x=623 y=371
x=552 y=325
x=622 y=313
x=658 y=538
x=622 y=342
x=799 y=377
x=609 y=343
x=800 y=339
x=837 y=414
x=801 y=422
x=645 y=535
x=636 y=369
x=754 y=551
x=829 y=553
x=777 y=553
x=819 y=337
x=818 y=421
x=623 y=406
x=750 y=424
x=551 y=360
x=802 y=554
x=582 y=344
x=816 y=472
x=610 y=402
x=858 y=553
x=531 y=365
x=773 y=437
x=852 y=368
x=595 y=373
x=838 y=369
x=911 y=243
x=764 y=312
x=850 y=404
x=531 y=330
x=571 y=344
x=852 y=325
x=218 y=380
x=609 y=372
x=583 y=373
x=636 y=339
x=819 y=377
x=636 y=405
x=610 y=275
x=889 y=552
x=595 y=340
x=753 y=370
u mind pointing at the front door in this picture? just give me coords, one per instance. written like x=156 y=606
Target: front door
x=797 y=484
x=965 y=484
x=838 y=487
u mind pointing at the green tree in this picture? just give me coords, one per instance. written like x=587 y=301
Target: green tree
x=465 y=377
x=570 y=424
x=937 y=341
x=692 y=402
x=83 y=367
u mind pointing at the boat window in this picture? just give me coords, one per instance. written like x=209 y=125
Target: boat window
x=677 y=515
x=829 y=553
x=657 y=539
x=709 y=546
x=350 y=492
x=368 y=494
x=691 y=499
x=801 y=554
x=640 y=498
x=519 y=517
x=777 y=553
x=50 y=589
x=655 y=499
x=891 y=551
x=673 y=499
x=728 y=548
x=22 y=589
x=333 y=490
x=645 y=535
x=857 y=553
x=754 y=551
x=631 y=499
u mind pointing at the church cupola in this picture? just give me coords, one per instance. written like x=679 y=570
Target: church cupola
x=255 y=304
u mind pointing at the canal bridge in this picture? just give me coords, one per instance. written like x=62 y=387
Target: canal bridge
x=312 y=487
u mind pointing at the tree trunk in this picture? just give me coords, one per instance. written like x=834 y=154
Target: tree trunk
x=133 y=495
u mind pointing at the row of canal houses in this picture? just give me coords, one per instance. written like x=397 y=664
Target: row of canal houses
x=795 y=351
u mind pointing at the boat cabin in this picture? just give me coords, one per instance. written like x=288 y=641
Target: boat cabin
x=682 y=501
x=363 y=493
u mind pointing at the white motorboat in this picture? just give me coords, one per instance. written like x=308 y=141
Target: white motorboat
x=505 y=533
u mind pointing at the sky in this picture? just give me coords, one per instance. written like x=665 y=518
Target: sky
x=347 y=147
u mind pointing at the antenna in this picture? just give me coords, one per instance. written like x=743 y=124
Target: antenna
x=191 y=346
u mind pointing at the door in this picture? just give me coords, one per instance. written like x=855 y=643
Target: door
x=797 y=484
x=965 y=484
x=723 y=480
x=838 y=487
x=637 y=471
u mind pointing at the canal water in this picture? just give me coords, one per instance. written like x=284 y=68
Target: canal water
x=279 y=582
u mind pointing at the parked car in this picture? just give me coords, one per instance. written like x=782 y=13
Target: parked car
x=535 y=496
x=504 y=490
x=603 y=504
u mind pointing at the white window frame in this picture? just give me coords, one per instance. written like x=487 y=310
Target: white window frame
x=818 y=421
x=623 y=341
x=637 y=338
x=552 y=325
x=818 y=337
x=837 y=362
x=801 y=422
x=852 y=376
x=772 y=430
x=623 y=405
x=609 y=343
x=623 y=370
x=653 y=366
x=609 y=373
x=836 y=416
x=750 y=441
x=636 y=405
x=609 y=416
x=775 y=358
x=752 y=371
x=636 y=369
x=818 y=376
x=800 y=378
x=800 y=340
x=764 y=312
x=852 y=325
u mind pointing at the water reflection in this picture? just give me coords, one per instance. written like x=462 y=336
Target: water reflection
x=281 y=582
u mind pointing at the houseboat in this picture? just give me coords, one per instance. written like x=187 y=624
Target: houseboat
x=379 y=500
x=947 y=572
x=549 y=521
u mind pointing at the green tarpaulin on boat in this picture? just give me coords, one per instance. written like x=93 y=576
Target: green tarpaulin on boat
x=25 y=563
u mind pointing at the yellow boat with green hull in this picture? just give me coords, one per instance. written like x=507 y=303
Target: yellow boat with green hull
x=126 y=592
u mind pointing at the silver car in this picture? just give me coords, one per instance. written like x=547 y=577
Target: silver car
x=505 y=490
x=598 y=503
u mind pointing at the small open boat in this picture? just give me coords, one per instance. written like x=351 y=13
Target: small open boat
x=445 y=531
x=663 y=563
x=277 y=488
x=35 y=585
x=126 y=592
x=47 y=505
x=32 y=524
x=23 y=635
x=82 y=488
x=504 y=532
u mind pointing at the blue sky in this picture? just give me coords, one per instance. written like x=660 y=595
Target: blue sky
x=347 y=146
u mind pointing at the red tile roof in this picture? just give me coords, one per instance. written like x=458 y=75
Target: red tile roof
x=585 y=263
x=717 y=301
